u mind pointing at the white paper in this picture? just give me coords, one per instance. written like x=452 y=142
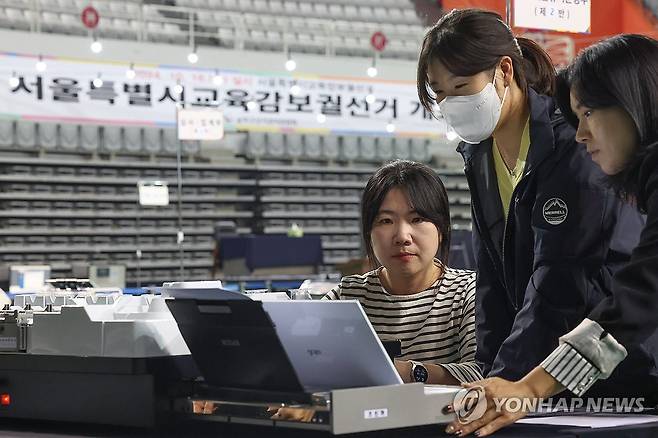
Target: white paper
x=154 y=193
x=200 y=124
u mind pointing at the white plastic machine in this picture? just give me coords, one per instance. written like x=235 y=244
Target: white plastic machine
x=72 y=352
x=82 y=321
x=124 y=360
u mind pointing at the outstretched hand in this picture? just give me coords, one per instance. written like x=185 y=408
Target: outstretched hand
x=506 y=402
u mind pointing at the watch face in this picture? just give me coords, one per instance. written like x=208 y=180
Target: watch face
x=420 y=373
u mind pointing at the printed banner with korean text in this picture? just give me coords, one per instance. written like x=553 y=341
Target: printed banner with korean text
x=91 y=92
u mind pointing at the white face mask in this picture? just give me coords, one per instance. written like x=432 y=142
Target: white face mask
x=474 y=117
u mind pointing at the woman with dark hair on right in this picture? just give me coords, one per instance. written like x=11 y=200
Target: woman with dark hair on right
x=610 y=93
x=547 y=236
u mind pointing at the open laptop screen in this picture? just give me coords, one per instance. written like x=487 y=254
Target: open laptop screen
x=287 y=346
x=234 y=344
x=331 y=344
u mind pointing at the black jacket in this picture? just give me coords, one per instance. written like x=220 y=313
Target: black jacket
x=630 y=314
x=551 y=263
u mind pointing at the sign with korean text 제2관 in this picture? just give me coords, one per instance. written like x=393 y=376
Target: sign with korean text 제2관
x=559 y=15
x=94 y=92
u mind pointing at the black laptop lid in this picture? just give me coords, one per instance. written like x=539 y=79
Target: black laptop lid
x=235 y=345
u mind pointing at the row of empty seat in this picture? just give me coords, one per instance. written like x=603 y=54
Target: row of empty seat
x=101 y=226
x=335 y=44
x=314 y=27
x=330 y=38
x=149 y=243
x=333 y=147
x=93 y=169
x=282 y=6
x=93 y=138
x=150 y=140
x=399 y=12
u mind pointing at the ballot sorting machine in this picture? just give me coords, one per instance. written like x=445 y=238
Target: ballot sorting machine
x=194 y=355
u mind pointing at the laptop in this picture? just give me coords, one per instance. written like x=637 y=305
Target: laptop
x=282 y=350
x=331 y=344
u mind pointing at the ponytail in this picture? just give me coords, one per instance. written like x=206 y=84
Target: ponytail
x=537 y=66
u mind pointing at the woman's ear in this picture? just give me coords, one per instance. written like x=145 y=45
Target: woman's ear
x=507 y=67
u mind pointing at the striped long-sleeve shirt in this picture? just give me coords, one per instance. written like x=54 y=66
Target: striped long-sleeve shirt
x=435 y=326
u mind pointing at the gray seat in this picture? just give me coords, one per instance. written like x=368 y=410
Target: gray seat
x=112 y=138
x=47 y=135
x=384 y=148
x=350 y=150
x=419 y=150
x=190 y=147
x=330 y=148
x=89 y=139
x=6 y=132
x=26 y=134
x=401 y=148
x=152 y=143
x=368 y=150
x=275 y=145
x=169 y=140
x=294 y=145
x=132 y=138
x=68 y=136
x=312 y=146
x=255 y=145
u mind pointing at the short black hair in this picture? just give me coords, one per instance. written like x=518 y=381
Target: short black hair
x=425 y=192
x=621 y=71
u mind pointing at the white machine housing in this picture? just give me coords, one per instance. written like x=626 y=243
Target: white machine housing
x=113 y=325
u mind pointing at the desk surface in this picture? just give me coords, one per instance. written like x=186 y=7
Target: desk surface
x=25 y=429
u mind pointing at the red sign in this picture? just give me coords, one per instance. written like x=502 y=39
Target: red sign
x=90 y=17
x=378 y=41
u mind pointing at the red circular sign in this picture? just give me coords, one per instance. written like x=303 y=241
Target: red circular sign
x=90 y=17
x=378 y=41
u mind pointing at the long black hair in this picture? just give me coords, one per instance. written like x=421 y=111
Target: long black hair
x=621 y=71
x=470 y=41
x=425 y=192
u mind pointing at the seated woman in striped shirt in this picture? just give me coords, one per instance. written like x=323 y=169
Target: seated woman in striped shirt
x=413 y=295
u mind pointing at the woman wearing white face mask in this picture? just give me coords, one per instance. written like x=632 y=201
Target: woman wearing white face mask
x=547 y=237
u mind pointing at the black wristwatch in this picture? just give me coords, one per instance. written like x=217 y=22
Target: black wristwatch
x=419 y=372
